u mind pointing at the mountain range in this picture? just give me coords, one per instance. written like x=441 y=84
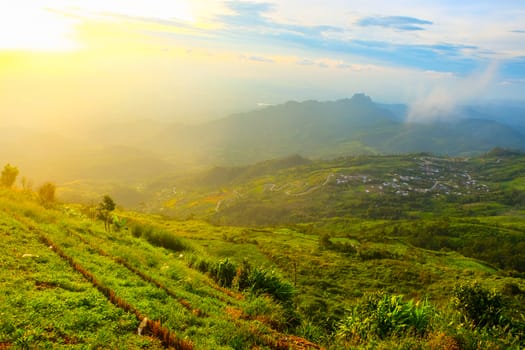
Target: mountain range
x=138 y=151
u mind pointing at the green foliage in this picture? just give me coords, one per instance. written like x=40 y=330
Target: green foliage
x=104 y=210
x=118 y=223
x=199 y=263
x=359 y=255
x=138 y=230
x=245 y=277
x=324 y=241
x=165 y=239
x=486 y=242
x=478 y=305
x=503 y=152
x=369 y=253
x=107 y=204
x=384 y=315
x=224 y=272
x=241 y=281
x=264 y=281
x=158 y=237
x=46 y=193
x=9 y=174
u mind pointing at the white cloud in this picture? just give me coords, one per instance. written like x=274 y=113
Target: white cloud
x=444 y=98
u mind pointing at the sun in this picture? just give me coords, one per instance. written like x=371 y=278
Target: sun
x=30 y=26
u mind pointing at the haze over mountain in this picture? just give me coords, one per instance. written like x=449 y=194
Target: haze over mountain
x=122 y=91
x=134 y=151
x=348 y=126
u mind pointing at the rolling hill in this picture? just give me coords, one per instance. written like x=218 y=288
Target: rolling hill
x=326 y=259
x=123 y=158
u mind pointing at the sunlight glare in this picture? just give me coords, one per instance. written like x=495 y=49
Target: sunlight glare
x=25 y=25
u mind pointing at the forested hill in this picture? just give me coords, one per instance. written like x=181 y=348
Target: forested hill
x=349 y=126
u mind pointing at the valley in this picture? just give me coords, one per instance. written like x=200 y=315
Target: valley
x=277 y=255
x=262 y=175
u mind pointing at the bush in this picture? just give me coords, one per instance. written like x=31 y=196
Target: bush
x=479 y=305
x=383 y=315
x=368 y=253
x=224 y=272
x=159 y=238
x=138 y=230
x=263 y=281
x=119 y=223
x=164 y=239
x=244 y=277
x=46 y=193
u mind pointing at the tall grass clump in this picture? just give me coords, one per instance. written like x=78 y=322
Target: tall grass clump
x=158 y=237
x=244 y=277
x=138 y=230
x=224 y=272
x=382 y=315
x=264 y=281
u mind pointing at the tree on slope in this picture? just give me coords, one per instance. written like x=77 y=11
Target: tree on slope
x=104 y=211
x=9 y=175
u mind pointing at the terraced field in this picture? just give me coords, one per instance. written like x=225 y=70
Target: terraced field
x=126 y=281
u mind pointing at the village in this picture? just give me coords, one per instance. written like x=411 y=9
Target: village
x=435 y=175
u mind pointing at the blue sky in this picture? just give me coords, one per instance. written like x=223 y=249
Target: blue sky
x=445 y=36
x=217 y=57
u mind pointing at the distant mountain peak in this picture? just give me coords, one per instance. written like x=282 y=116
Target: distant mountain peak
x=358 y=99
x=361 y=98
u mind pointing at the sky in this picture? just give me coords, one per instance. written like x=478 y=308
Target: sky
x=72 y=61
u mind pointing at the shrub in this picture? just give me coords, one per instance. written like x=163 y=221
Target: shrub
x=46 y=193
x=383 y=315
x=324 y=241
x=263 y=281
x=241 y=280
x=369 y=253
x=119 y=223
x=137 y=230
x=164 y=239
x=244 y=277
x=202 y=265
x=224 y=272
x=479 y=305
x=157 y=237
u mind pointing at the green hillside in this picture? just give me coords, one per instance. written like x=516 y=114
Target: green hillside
x=122 y=156
x=287 y=254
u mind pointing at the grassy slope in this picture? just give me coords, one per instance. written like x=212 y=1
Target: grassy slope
x=155 y=281
x=413 y=245
x=333 y=262
x=45 y=302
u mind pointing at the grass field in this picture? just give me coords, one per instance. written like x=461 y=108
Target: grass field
x=338 y=282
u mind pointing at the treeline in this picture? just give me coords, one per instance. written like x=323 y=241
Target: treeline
x=496 y=246
x=387 y=206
